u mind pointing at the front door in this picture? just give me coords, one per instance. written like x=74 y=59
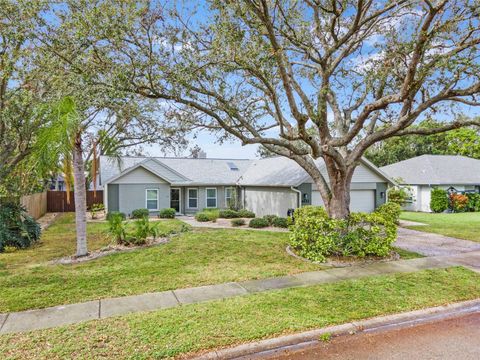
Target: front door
x=175 y=199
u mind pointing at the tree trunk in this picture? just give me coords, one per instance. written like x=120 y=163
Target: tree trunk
x=80 y=197
x=339 y=205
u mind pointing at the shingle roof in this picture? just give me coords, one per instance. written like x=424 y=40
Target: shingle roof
x=194 y=171
x=273 y=171
x=436 y=170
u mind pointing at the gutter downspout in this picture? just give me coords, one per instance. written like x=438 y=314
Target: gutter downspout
x=299 y=202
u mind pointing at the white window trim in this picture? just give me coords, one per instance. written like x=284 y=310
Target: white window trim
x=146 y=199
x=179 y=198
x=206 y=197
x=188 y=198
x=233 y=189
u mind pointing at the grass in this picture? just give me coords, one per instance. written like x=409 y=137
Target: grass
x=189 y=329
x=196 y=258
x=405 y=254
x=461 y=225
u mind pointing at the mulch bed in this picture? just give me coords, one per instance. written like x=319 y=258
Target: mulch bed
x=345 y=261
x=110 y=249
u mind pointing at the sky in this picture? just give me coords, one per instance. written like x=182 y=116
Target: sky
x=209 y=144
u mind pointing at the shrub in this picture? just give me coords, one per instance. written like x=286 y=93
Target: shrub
x=204 y=216
x=244 y=213
x=397 y=195
x=115 y=213
x=142 y=231
x=238 y=222
x=391 y=211
x=167 y=213
x=315 y=236
x=258 y=223
x=17 y=228
x=458 y=202
x=270 y=219
x=281 y=222
x=438 y=200
x=473 y=202
x=116 y=226
x=228 y=214
x=139 y=213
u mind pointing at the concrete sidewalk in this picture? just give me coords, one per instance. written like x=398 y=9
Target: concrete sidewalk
x=99 y=309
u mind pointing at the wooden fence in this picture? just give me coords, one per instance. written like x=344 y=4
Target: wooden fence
x=36 y=204
x=57 y=200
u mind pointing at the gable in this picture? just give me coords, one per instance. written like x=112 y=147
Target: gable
x=139 y=175
x=362 y=174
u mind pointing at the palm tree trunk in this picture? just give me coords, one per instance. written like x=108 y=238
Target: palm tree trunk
x=80 y=195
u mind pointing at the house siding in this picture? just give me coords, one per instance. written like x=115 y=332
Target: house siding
x=133 y=196
x=139 y=176
x=112 y=198
x=270 y=200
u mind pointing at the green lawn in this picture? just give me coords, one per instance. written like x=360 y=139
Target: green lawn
x=462 y=225
x=195 y=258
x=191 y=328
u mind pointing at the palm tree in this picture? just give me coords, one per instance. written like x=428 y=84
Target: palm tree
x=60 y=141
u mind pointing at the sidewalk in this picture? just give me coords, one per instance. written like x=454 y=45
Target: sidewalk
x=99 y=309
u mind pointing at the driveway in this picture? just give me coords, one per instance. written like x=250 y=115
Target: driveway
x=451 y=339
x=429 y=244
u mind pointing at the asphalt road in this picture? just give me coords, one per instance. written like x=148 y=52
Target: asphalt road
x=457 y=338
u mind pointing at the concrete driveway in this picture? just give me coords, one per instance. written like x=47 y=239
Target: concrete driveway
x=429 y=244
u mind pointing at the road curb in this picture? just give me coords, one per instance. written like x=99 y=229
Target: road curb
x=370 y=325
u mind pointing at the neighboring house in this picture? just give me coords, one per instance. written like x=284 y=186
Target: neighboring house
x=422 y=173
x=265 y=186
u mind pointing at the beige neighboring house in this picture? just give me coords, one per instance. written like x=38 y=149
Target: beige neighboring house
x=265 y=186
x=422 y=173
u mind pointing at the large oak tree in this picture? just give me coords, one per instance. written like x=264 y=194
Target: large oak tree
x=305 y=79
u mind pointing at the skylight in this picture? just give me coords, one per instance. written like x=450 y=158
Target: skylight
x=232 y=166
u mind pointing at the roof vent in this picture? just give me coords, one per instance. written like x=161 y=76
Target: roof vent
x=232 y=166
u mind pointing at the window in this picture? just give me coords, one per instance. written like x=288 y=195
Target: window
x=152 y=199
x=193 y=198
x=211 y=197
x=230 y=197
x=232 y=166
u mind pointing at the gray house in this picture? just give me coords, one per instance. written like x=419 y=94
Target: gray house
x=422 y=173
x=265 y=186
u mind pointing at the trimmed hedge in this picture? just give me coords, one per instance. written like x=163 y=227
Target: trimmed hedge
x=315 y=236
x=258 y=223
x=270 y=219
x=438 y=200
x=140 y=213
x=238 y=222
x=228 y=214
x=244 y=213
x=281 y=222
x=204 y=216
x=167 y=213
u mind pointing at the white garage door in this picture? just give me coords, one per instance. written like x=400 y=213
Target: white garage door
x=360 y=200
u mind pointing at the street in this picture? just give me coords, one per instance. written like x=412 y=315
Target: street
x=457 y=338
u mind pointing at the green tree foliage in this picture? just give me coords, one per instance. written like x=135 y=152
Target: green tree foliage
x=465 y=141
x=438 y=200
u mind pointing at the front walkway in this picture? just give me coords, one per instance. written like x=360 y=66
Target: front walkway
x=430 y=244
x=99 y=309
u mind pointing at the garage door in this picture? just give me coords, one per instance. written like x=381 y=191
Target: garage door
x=360 y=200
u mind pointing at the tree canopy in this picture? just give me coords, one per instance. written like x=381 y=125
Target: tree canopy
x=266 y=71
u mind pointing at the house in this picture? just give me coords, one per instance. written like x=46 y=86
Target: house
x=264 y=186
x=422 y=173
